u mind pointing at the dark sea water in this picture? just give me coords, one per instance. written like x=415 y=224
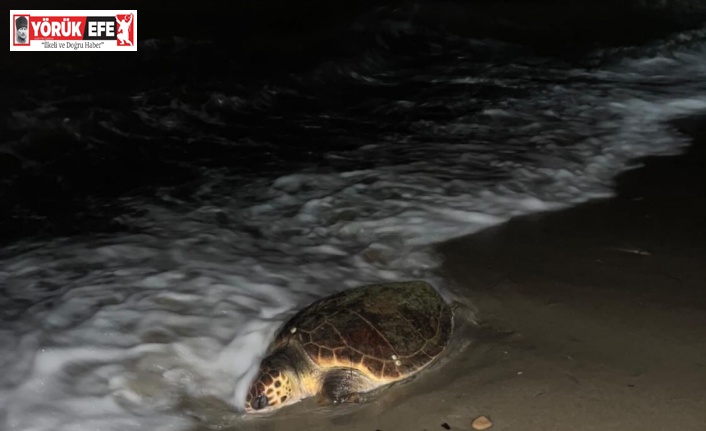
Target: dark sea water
x=163 y=212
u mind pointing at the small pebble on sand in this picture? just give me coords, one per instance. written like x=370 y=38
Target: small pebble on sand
x=481 y=423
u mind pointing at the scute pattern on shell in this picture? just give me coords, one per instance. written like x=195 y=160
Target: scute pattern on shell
x=388 y=331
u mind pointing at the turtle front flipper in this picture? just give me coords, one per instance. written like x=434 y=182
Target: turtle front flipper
x=343 y=385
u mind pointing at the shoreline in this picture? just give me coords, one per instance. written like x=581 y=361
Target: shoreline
x=591 y=318
x=604 y=304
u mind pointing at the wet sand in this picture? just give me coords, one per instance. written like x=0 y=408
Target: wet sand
x=592 y=318
x=606 y=303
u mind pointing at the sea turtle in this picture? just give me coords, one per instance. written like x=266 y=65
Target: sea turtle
x=340 y=347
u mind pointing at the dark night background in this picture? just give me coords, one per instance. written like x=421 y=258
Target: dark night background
x=255 y=42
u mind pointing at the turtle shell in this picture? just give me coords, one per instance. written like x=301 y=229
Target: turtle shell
x=387 y=331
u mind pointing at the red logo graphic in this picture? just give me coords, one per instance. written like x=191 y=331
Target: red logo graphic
x=126 y=30
x=114 y=30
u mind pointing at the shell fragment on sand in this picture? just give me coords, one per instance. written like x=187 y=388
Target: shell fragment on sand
x=481 y=423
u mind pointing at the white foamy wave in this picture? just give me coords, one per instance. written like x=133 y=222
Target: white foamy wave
x=116 y=332
x=681 y=57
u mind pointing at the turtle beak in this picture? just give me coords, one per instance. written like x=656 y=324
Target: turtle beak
x=259 y=402
x=269 y=391
x=256 y=401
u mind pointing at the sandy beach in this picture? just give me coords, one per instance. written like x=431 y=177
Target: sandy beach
x=606 y=303
x=591 y=318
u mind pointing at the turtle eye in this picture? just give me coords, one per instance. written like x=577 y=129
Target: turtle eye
x=260 y=402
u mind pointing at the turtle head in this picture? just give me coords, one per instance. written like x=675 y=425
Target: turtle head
x=273 y=388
